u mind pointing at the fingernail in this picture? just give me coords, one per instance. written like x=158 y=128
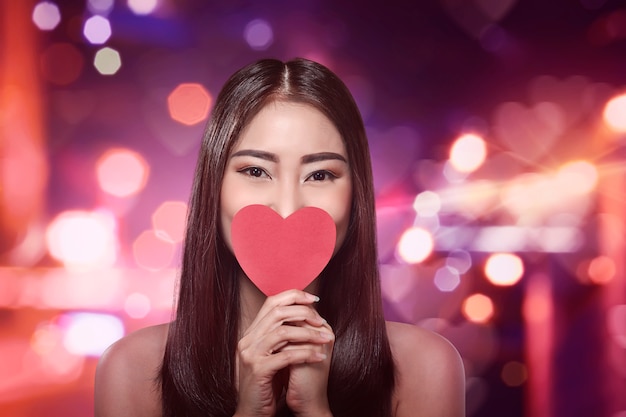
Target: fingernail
x=321 y=356
x=312 y=297
x=326 y=335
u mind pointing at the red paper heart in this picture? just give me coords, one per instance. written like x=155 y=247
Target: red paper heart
x=279 y=254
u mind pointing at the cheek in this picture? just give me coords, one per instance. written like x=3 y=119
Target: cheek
x=341 y=213
x=225 y=222
x=228 y=208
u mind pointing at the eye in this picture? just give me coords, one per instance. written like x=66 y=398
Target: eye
x=321 y=176
x=254 y=172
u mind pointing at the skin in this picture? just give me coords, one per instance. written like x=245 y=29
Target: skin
x=290 y=156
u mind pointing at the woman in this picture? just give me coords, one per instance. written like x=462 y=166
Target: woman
x=284 y=135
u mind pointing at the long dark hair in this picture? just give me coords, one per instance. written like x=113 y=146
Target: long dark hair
x=198 y=372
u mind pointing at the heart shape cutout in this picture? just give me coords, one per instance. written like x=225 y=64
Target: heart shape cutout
x=530 y=132
x=280 y=254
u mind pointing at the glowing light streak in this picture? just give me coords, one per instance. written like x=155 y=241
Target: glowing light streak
x=122 y=172
x=504 y=269
x=615 y=113
x=415 y=245
x=471 y=199
x=97 y=30
x=169 y=220
x=547 y=239
x=536 y=197
x=46 y=15
x=82 y=239
x=107 y=61
x=189 y=103
x=468 y=153
x=478 y=308
x=577 y=177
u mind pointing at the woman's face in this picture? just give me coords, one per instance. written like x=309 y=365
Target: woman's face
x=289 y=156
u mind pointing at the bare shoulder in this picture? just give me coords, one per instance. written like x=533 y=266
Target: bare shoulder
x=126 y=375
x=430 y=378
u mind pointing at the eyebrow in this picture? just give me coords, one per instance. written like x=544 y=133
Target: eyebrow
x=268 y=156
x=306 y=159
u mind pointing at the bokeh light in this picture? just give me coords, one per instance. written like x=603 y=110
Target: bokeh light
x=49 y=359
x=478 y=308
x=447 y=279
x=102 y=7
x=259 y=34
x=122 y=172
x=61 y=63
x=97 y=30
x=89 y=334
x=615 y=113
x=189 y=103
x=601 y=270
x=415 y=245
x=169 y=220
x=480 y=181
x=460 y=260
x=514 y=373
x=45 y=338
x=46 y=15
x=504 y=269
x=107 y=61
x=616 y=323
x=137 y=305
x=142 y=7
x=468 y=153
x=427 y=204
x=151 y=252
x=83 y=239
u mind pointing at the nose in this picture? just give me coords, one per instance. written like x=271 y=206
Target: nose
x=287 y=199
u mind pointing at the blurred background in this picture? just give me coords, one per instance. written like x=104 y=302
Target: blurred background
x=496 y=130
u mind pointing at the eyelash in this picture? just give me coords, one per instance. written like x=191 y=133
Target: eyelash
x=248 y=171
x=327 y=174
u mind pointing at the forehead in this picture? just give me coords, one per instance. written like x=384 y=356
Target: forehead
x=281 y=124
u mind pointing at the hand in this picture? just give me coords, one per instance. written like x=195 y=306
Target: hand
x=286 y=319
x=308 y=382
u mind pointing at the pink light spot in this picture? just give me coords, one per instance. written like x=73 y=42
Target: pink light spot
x=189 y=103
x=122 y=172
x=169 y=220
x=151 y=252
x=616 y=321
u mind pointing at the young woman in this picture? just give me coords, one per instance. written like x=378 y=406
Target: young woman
x=285 y=135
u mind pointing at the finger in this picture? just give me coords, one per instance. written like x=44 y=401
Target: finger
x=284 y=314
x=296 y=336
x=286 y=298
x=263 y=344
x=296 y=356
